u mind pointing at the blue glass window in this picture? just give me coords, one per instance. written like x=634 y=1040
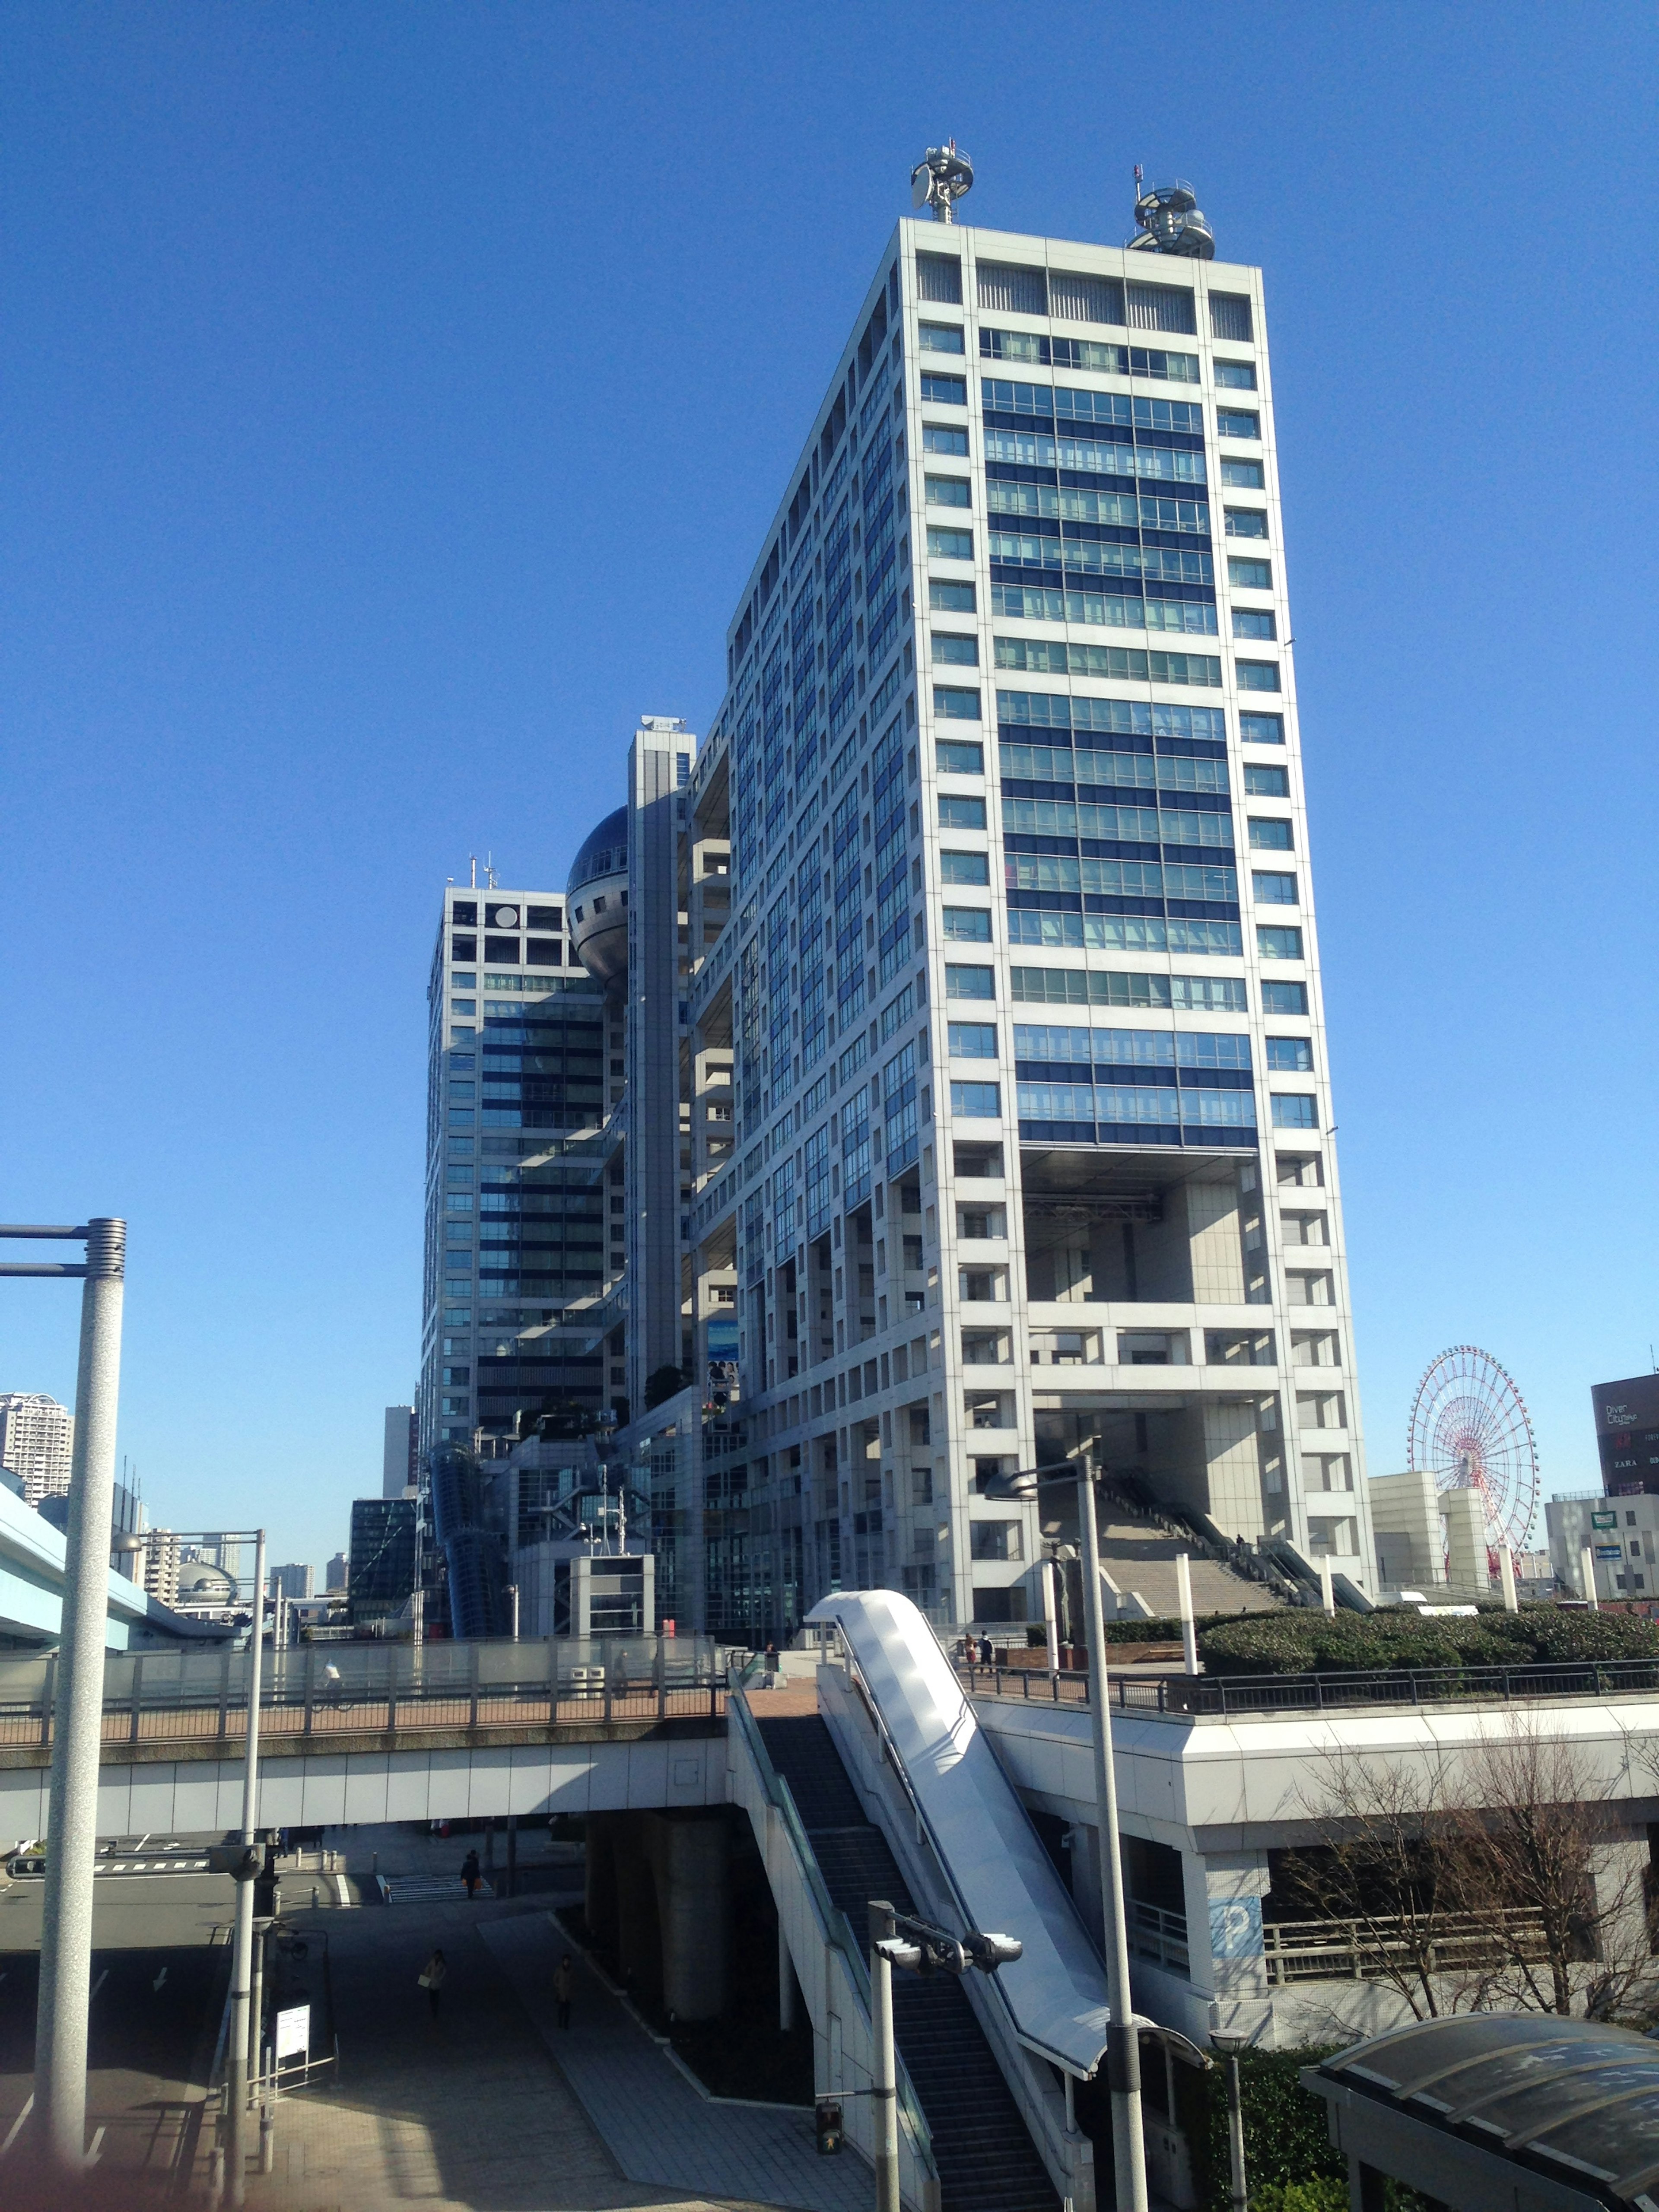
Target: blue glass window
x=1257 y=675
x=1235 y=422
x=979 y=1102
x=1295 y=1112
x=956 y=650
x=973 y=1040
x=1254 y=622
x=1246 y=522
x=944 y=438
x=1243 y=476
x=1250 y=575
x=1269 y=832
x=944 y=544
x=950 y=598
x=947 y=391
x=964 y=867
x=1278 y=944
x=1236 y=375
x=1273 y=889
x=967 y=925
x=940 y=338
x=1284 y=998
x=1266 y=782
x=959 y=756
x=1290 y=1055
x=1261 y=730
x=969 y=982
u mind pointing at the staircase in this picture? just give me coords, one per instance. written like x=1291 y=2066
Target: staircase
x=1140 y=1556
x=986 y=2158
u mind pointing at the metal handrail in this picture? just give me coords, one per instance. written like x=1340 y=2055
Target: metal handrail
x=837 y=1927
x=1307 y=1950
x=159 y=1697
x=1241 y=1695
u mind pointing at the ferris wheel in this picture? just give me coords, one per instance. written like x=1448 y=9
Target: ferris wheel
x=1470 y=1430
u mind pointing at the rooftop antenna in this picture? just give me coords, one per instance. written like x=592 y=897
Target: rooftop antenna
x=490 y=872
x=1168 y=219
x=472 y=865
x=942 y=177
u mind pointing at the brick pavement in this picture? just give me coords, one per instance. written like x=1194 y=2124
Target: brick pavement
x=467 y=2113
x=659 y=2127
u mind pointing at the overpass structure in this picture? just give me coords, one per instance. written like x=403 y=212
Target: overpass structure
x=32 y=1594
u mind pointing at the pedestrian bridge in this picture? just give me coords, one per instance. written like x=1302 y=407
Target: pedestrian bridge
x=365 y=1733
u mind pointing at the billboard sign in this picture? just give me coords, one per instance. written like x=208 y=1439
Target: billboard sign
x=1628 y=1433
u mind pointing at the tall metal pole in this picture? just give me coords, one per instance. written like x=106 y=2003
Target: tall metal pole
x=884 y=2085
x=241 y=1964
x=1239 y=2187
x=1051 y=1611
x=1122 y=2041
x=65 y=1995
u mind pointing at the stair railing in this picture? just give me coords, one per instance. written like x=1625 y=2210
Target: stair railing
x=836 y=1928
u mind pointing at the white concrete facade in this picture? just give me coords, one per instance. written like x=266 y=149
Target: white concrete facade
x=937 y=1268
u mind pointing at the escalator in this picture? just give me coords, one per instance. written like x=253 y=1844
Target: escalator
x=986 y=2158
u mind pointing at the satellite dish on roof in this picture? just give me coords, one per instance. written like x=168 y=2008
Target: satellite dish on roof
x=940 y=179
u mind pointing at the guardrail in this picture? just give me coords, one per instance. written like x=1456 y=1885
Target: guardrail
x=1356 y=1950
x=1239 y=1695
x=330 y=1690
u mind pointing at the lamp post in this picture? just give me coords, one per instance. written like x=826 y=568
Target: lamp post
x=66 y=1993
x=898 y=1939
x=241 y=1963
x=1230 y=2046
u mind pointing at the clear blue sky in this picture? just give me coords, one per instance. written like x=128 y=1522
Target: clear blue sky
x=394 y=397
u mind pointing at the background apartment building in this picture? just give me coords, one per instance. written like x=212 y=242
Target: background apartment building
x=37 y=1442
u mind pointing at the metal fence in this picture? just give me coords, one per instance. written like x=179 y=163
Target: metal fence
x=1360 y=1950
x=330 y=1690
x=1239 y=1694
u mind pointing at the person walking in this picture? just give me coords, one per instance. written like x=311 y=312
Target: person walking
x=471 y=1875
x=433 y=1976
x=564 y=1979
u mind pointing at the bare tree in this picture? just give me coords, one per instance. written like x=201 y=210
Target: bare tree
x=1481 y=1880
x=1375 y=1865
x=1528 y=1852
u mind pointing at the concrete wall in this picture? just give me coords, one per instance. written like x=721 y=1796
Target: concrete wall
x=400 y=1785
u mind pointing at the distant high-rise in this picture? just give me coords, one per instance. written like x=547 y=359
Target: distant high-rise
x=337 y=1573
x=381 y=1574
x=293 y=1582
x=517 y=1061
x=400 y=1463
x=37 y=1441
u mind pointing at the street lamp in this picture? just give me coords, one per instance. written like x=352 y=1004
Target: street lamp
x=1123 y=2038
x=1230 y=2044
x=898 y=1939
x=65 y=1993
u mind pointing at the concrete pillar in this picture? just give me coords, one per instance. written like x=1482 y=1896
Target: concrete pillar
x=1466 y=1540
x=1085 y=1879
x=639 y=1929
x=1225 y=1890
x=1618 y=1869
x=688 y=1852
x=599 y=1899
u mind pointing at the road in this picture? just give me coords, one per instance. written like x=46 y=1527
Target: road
x=160 y=1966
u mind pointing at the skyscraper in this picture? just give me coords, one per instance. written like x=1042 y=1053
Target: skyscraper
x=37 y=1442
x=515 y=1060
x=1007 y=1094
x=400 y=1455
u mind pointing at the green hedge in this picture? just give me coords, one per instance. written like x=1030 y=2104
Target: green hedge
x=1306 y=1641
x=1287 y=2143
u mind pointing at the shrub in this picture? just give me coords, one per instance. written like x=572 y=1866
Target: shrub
x=1306 y=1641
x=1287 y=2144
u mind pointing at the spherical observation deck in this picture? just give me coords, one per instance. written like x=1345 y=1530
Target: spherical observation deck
x=597 y=893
